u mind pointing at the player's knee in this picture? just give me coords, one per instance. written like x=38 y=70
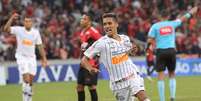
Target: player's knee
x=141 y=95
x=171 y=74
x=147 y=99
x=80 y=88
x=93 y=87
x=26 y=78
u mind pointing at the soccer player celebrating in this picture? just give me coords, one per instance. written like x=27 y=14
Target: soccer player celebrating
x=163 y=33
x=88 y=35
x=27 y=39
x=114 y=49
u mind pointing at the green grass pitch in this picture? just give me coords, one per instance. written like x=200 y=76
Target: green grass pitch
x=188 y=89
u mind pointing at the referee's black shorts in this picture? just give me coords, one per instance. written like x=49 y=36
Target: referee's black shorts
x=86 y=78
x=165 y=58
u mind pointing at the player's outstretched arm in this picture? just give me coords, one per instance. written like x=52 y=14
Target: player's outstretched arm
x=43 y=55
x=189 y=14
x=85 y=63
x=6 y=28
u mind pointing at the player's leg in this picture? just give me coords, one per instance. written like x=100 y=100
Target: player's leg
x=160 y=68
x=93 y=93
x=137 y=88
x=171 y=71
x=27 y=87
x=150 y=69
x=80 y=85
x=123 y=94
x=27 y=69
x=142 y=96
x=92 y=86
x=80 y=92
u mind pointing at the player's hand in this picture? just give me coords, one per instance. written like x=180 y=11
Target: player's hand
x=135 y=48
x=94 y=70
x=193 y=10
x=44 y=63
x=84 y=46
x=15 y=16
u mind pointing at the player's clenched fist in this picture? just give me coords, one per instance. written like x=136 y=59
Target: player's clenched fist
x=15 y=16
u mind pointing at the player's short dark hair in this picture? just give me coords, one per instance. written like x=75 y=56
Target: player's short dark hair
x=111 y=15
x=164 y=13
x=88 y=15
x=28 y=16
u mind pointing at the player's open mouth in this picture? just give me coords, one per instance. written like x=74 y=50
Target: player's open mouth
x=108 y=30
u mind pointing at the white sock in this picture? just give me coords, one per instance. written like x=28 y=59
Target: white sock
x=147 y=99
x=27 y=92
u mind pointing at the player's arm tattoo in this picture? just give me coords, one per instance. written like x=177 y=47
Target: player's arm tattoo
x=41 y=51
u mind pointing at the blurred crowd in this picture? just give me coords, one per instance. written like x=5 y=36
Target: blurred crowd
x=58 y=22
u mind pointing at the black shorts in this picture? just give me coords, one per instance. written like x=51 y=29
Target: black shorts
x=86 y=78
x=165 y=58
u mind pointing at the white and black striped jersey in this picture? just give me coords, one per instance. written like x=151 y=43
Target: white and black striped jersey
x=114 y=56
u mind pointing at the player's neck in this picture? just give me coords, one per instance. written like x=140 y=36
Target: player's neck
x=27 y=29
x=87 y=27
x=116 y=37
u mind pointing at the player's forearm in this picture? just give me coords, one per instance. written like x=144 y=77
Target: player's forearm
x=85 y=63
x=150 y=41
x=7 y=26
x=42 y=52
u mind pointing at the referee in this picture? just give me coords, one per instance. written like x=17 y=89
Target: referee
x=163 y=34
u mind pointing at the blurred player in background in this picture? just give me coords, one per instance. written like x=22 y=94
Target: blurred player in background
x=114 y=49
x=150 y=60
x=163 y=33
x=27 y=39
x=88 y=35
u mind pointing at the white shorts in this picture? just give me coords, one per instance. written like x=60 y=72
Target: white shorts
x=26 y=65
x=136 y=84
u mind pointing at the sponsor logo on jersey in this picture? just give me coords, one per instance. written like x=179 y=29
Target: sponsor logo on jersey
x=119 y=58
x=166 y=30
x=27 y=42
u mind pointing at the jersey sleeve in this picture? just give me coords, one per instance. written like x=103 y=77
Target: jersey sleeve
x=176 y=23
x=128 y=43
x=38 y=39
x=94 y=49
x=152 y=32
x=15 y=29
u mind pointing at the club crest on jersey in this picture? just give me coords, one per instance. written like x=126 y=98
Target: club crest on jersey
x=166 y=30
